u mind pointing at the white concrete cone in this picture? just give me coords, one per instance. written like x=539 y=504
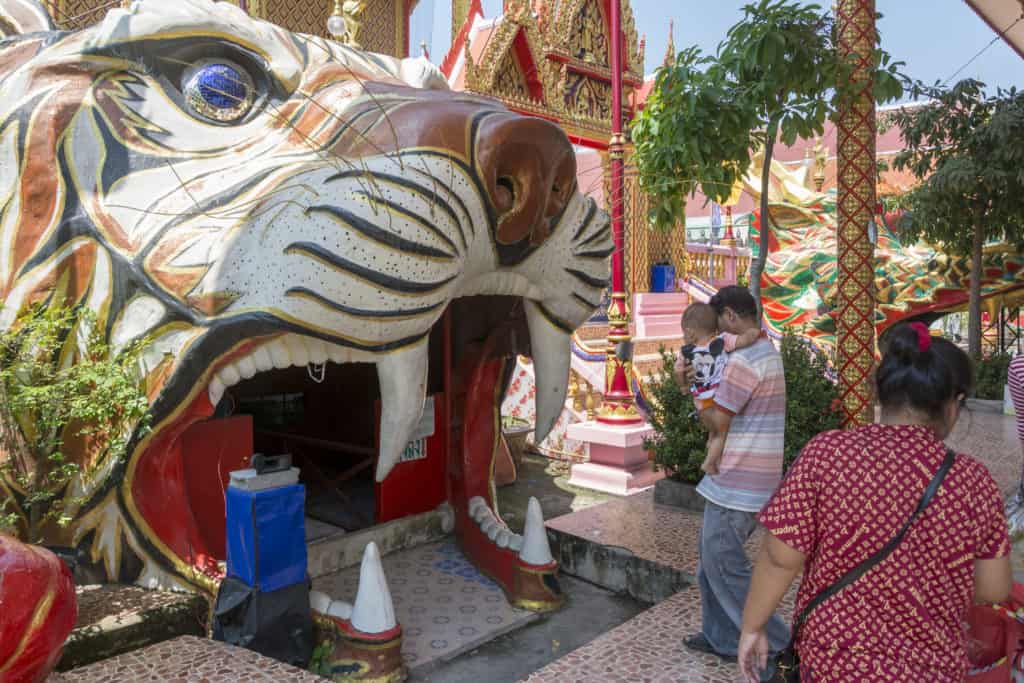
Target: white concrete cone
x=373 y=611
x=536 y=550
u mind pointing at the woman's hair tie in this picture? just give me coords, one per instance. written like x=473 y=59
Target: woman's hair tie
x=924 y=337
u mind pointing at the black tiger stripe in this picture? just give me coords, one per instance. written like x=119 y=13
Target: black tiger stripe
x=415 y=218
x=589 y=304
x=597 y=236
x=361 y=312
x=341 y=263
x=369 y=230
x=458 y=200
x=429 y=197
x=588 y=280
x=602 y=254
x=555 y=320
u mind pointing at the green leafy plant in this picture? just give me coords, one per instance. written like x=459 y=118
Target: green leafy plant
x=776 y=76
x=60 y=381
x=967 y=149
x=680 y=440
x=991 y=376
x=812 y=398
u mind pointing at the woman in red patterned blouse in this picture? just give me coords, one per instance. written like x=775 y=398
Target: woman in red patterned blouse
x=847 y=495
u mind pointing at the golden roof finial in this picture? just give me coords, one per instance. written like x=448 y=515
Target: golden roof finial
x=670 y=49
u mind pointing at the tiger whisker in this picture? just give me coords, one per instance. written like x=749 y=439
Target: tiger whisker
x=357 y=79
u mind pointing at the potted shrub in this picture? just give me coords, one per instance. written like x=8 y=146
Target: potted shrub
x=679 y=442
x=812 y=397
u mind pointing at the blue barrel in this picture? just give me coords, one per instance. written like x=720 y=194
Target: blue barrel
x=663 y=278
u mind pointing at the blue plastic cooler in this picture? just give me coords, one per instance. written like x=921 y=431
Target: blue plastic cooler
x=266 y=539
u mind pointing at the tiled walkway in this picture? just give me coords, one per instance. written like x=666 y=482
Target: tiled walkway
x=187 y=659
x=444 y=604
x=649 y=647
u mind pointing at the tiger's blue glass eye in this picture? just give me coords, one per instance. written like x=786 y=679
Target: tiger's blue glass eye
x=218 y=89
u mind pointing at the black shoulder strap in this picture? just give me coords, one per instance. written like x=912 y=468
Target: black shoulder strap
x=867 y=564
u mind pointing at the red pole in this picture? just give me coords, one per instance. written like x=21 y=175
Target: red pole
x=618 y=406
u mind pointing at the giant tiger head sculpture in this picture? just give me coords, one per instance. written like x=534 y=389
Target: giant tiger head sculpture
x=249 y=198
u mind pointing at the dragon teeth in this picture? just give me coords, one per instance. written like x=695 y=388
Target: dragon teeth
x=491 y=526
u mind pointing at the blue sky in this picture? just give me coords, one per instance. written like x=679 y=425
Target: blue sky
x=934 y=37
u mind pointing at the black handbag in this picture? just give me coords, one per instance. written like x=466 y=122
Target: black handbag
x=787 y=662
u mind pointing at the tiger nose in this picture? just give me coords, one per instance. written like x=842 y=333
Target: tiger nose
x=529 y=170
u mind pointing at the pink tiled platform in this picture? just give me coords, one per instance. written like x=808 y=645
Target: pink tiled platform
x=663 y=535
x=187 y=659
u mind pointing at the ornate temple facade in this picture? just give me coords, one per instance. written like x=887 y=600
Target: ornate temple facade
x=383 y=24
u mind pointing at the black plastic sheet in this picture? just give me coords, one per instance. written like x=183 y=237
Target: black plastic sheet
x=277 y=624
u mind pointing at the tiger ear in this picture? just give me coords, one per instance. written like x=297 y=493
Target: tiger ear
x=23 y=16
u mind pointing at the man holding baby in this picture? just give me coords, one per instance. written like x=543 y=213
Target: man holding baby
x=746 y=415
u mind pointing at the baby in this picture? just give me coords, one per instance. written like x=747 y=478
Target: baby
x=707 y=351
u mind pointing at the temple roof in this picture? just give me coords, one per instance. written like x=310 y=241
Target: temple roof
x=548 y=58
x=1006 y=17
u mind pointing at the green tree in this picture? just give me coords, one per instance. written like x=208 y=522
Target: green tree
x=967 y=150
x=776 y=76
x=59 y=380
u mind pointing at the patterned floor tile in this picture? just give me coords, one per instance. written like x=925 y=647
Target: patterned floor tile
x=187 y=659
x=648 y=647
x=444 y=604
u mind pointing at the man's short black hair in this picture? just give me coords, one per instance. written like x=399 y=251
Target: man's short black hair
x=739 y=299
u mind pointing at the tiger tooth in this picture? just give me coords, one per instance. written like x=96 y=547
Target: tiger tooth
x=317 y=350
x=373 y=611
x=490 y=527
x=246 y=367
x=229 y=375
x=493 y=532
x=536 y=550
x=319 y=602
x=403 y=389
x=550 y=347
x=504 y=537
x=515 y=542
x=261 y=357
x=215 y=391
x=279 y=354
x=297 y=350
x=336 y=353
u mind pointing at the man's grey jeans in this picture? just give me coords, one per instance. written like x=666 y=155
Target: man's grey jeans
x=724 y=576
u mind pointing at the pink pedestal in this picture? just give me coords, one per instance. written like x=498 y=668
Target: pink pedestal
x=618 y=462
x=658 y=314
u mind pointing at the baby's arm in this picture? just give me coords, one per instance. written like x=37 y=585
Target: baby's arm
x=740 y=341
x=716 y=446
